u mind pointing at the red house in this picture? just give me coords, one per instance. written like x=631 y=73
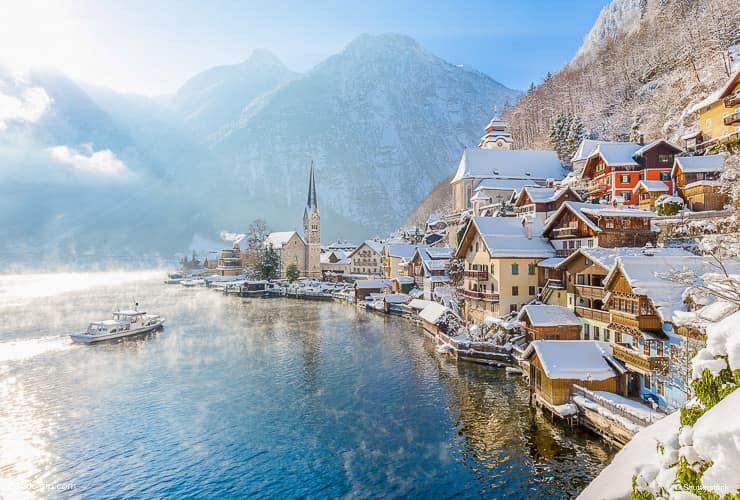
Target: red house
x=615 y=168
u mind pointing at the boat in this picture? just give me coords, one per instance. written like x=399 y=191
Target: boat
x=123 y=324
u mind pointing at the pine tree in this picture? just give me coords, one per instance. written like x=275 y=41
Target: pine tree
x=267 y=265
x=292 y=273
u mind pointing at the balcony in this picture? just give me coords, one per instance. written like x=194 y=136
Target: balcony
x=595 y=314
x=472 y=294
x=590 y=292
x=596 y=187
x=639 y=362
x=731 y=100
x=566 y=232
x=732 y=118
x=636 y=321
x=476 y=275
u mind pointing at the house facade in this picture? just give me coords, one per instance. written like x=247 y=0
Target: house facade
x=541 y=201
x=586 y=225
x=290 y=247
x=500 y=256
x=614 y=169
x=719 y=116
x=367 y=259
x=697 y=181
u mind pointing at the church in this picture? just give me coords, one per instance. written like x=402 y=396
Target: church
x=303 y=251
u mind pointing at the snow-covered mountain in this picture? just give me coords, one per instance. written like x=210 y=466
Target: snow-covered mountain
x=91 y=170
x=384 y=121
x=217 y=96
x=617 y=17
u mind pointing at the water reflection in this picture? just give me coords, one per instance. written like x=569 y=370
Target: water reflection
x=267 y=398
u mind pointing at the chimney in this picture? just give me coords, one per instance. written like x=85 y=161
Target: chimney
x=528 y=227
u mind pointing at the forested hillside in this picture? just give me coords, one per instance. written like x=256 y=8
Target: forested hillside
x=643 y=72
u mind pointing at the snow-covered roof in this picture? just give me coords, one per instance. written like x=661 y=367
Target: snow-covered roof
x=617 y=153
x=396 y=298
x=573 y=359
x=650 y=145
x=479 y=196
x=433 y=312
x=507 y=237
x=439 y=252
x=717 y=94
x=582 y=210
x=607 y=257
x=402 y=250
x=512 y=163
x=585 y=148
x=654 y=186
x=374 y=245
x=552 y=262
x=404 y=279
x=504 y=184
x=548 y=315
x=692 y=164
x=539 y=194
x=278 y=239
x=419 y=303
x=372 y=283
x=341 y=256
x=648 y=275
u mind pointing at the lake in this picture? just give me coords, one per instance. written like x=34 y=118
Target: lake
x=272 y=398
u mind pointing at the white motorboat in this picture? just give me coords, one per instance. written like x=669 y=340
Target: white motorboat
x=123 y=324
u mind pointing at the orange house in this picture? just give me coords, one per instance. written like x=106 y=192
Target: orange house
x=615 y=169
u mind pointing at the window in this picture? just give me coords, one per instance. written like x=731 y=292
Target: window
x=659 y=348
x=627 y=196
x=530 y=269
x=532 y=291
x=665 y=158
x=646 y=381
x=512 y=308
x=515 y=290
x=624 y=179
x=586 y=331
x=660 y=385
x=665 y=176
x=515 y=269
x=586 y=262
x=708 y=123
x=597 y=333
x=646 y=349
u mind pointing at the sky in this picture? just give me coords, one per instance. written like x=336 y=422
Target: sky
x=153 y=47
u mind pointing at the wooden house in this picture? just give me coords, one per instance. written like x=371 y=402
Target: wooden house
x=697 y=181
x=642 y=301
x=229 y=262
x=363 y=288
x=719 y=116
x=648 y=192
x=556 y=365
x=614 y=169
x=541 y=201
x=545 y=322
x=576 y=225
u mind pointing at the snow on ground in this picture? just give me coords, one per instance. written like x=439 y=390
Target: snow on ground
x=630 y=406
x=639 y=456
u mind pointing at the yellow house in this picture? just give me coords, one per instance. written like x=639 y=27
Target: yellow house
x=719 y=116
x=500 y=256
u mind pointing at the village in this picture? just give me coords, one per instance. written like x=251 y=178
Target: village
x=594 y=279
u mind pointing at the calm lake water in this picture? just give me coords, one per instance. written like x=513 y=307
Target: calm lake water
x=270 y=398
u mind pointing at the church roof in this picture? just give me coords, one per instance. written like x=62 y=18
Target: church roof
x=508 y=163
x=312 y=202
x=279 y=239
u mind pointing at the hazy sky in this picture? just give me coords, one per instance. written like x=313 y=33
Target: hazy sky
x=152 y=47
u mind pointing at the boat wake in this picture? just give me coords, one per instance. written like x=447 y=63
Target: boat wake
x=19 y=350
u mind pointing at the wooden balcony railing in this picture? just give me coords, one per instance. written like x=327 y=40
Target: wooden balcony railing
x=636 y=321
x=731 y=100
x=638 y=361
x=476 y=275
x=732 y=118
x=472 y=294
x=596 y=314
x=590 y=292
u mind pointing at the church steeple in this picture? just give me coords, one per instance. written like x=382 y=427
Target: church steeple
x=312 y=229
x=312 y=203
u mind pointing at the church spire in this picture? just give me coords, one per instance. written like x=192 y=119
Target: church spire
x=312 y=203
